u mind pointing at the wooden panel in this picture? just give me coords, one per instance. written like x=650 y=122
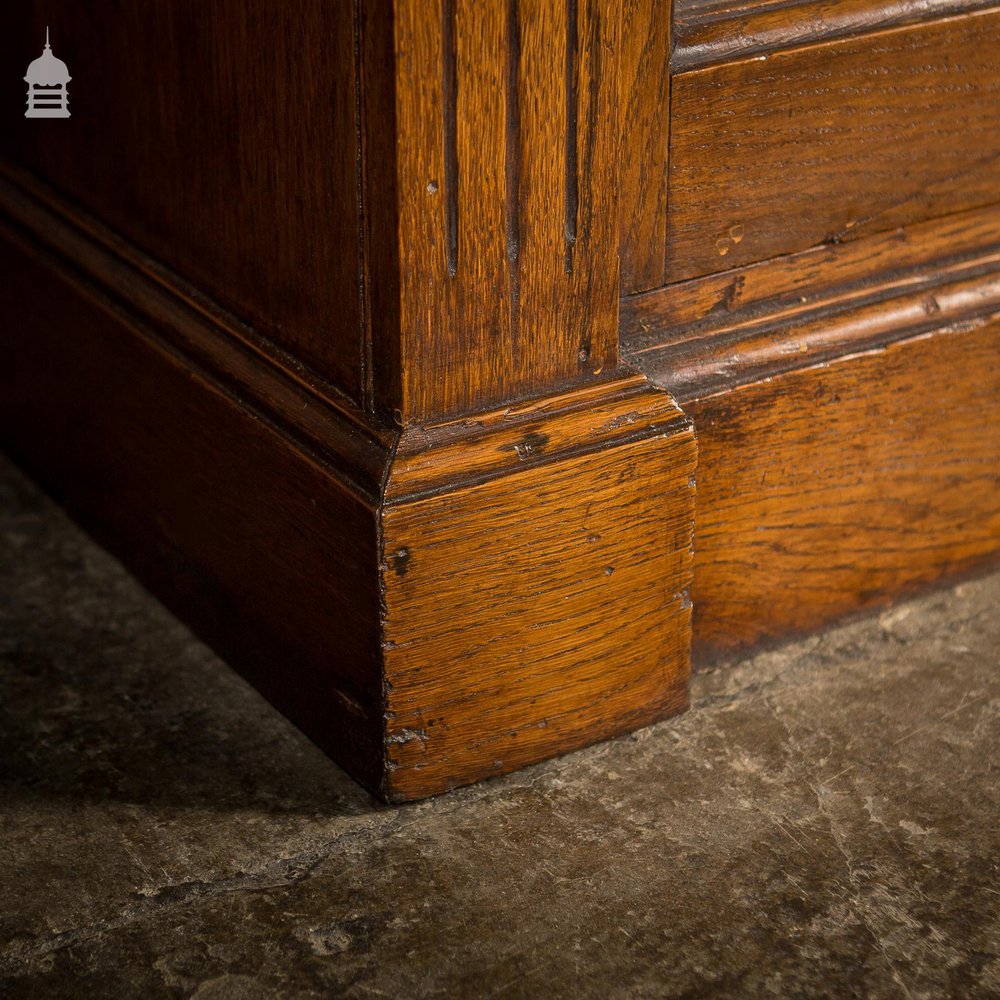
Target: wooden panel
x=507 y=127
x=541 y=604
x=830 y=489
x=220 y=137
x=239 y=528
x=645 y=110
x=776 y=153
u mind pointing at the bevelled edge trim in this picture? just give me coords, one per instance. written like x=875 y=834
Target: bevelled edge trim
x=711 y=334
x=453 y=455
x=710 y=34
x=163 y=307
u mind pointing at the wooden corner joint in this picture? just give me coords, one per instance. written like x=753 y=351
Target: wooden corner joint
x=432 y=605
x=535 y=565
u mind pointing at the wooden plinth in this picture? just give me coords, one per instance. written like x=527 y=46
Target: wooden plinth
x=379 y=345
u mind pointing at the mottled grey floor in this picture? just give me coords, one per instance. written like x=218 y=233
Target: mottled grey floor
x=824 y=823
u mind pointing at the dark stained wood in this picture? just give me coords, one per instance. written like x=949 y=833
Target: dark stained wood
x=775 y=153
x=379 y=207
x=535 y=578
x=250 y=537
x=311 y=314
x=507 y=145
x=221 y=139
x=835 y=488
x=714 y=31
x=415 y=203
x=645 y=114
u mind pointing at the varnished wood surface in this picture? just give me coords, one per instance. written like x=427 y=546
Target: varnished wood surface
x=775 y=153
x=507 y=145
x=645 y=122
x=545 y=606
x=324 y=422
x=835 y=488
x=220 y=138
x=880 y=265
x=714 y=31
x=517 y=579
x=200 y=370
x=472 y=449
x=417 y=203
x=847 y=406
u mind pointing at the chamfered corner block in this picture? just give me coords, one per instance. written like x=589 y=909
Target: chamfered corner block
x=535 y=572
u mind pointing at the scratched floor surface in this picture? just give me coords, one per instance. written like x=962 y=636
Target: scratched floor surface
x=826 y=822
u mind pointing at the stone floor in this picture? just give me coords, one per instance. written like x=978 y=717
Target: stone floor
x=823 y=824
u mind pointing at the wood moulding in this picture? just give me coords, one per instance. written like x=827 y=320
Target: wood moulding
x=709 y=334
x=847 y=404
x=432 y=605
x=718 y=31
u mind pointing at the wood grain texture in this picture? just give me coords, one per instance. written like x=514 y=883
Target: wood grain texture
x=507 y=145
x=645 y=114
x=535 y=585
x=825 y=276
x=715 y=31
x=775 y=153
x=516 y=578
x=220 y=138
x=830 y=489
x=847 y=405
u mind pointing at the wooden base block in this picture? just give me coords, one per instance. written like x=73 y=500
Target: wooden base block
x=535 y=578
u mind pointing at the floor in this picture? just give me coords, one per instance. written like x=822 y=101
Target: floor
x=823 y=823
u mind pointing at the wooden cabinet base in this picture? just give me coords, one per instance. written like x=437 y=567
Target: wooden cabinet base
x=344 y=386
x=432 y=606
x=835 y=488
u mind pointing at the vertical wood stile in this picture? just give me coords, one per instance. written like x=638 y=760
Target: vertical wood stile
x=507 y=160
x=645 y=115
